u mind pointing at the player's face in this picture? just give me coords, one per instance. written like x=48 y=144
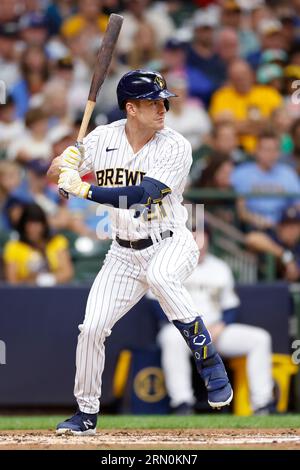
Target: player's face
x=150 y=114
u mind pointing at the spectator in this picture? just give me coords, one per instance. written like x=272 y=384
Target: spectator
x=33 y=29
x=174 y=62
x=34 y=143
x=271 y=75
x=217 y=175
x=283 y=243
x=228 y=45
x=187 y=116
x=11 y=129
x=57 y=13
x=34 y=188
x=138 y=13
x=245 y=104
x=37 y=257
x=35 y=73
x=233 y=18
x=271 y=37
x=10 y=179
x=89 y=19
x=293 y=158
x=201 y=53
x=282 y=122
x=211 y=287
x=10 y=72
x=144 y=48
x=264 y=176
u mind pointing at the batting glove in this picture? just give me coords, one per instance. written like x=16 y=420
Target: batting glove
x=71 y=158
x=70 y=181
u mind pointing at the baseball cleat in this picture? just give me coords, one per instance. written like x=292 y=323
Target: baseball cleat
x=220 y=398
x=81 y=424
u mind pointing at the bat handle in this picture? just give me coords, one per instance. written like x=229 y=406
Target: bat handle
x=62 y=192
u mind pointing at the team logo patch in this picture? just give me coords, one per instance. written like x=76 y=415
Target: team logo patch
x=159 y=81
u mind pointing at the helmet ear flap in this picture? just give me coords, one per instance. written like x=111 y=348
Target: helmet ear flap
x=167 y=104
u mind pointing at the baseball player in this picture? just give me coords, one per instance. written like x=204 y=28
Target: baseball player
x=211 y=286
x=141 y=168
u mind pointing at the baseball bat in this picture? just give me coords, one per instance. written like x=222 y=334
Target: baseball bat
x=104 y=57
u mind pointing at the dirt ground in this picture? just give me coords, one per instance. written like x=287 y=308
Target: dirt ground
x=155 y=439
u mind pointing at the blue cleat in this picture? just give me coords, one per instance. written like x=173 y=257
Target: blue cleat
x=213 y=372
x=81 y=424
x=208 y=362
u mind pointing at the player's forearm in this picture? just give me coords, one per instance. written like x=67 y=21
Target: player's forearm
x=124 y=197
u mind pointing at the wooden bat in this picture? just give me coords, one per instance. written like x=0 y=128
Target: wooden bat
x=103 y=61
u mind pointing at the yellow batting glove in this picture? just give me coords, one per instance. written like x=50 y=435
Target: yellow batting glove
x=70 y=181
x=71 y=158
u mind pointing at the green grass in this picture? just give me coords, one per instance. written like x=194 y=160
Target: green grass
x=158 y=422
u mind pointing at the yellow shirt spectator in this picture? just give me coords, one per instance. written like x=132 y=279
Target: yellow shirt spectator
x=29 y=261
x=258 y=103
x=77 y=23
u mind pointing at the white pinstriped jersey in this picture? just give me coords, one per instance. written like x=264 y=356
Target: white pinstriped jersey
x=167 y=157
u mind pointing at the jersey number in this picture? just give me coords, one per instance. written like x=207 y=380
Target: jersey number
x=155 y=211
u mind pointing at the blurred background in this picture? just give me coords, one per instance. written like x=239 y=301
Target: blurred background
x=235 y=66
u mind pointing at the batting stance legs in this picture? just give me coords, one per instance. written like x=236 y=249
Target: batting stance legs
x=124 y=279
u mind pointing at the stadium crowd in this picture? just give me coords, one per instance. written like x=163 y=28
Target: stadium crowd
x=235 y=66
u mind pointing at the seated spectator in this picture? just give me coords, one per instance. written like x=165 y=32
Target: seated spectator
x=283 y=243
x=187 y=116
x=270 y=75
x=211 y=287
x=35 y=142
x=173 y=61
x=265 y=176
x=228 y=45
x=10 y=72
x=144 y=48
x=10 y=178
x=217 y=175
x=89 y=19
x=38 y=257
x=282 y=122
x=201 y=53
x=35 y=71
x=56 y=13
x=35 y=188
x=33 y=28
x=223 y=140
x=138 y=13
x=243 y=103
x=10 y=127
x=271 y=37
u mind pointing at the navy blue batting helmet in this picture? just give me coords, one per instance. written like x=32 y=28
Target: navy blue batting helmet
x=142 y=85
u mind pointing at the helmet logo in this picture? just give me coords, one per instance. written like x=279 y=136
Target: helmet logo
x=159 y=81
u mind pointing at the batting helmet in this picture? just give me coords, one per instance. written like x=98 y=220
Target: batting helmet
x=142 y=85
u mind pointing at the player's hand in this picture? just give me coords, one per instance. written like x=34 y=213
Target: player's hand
x=71 y=158
x=70 y=181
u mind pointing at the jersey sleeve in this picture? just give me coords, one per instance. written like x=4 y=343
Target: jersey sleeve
x=90 y=146
x=173 y=164
x=228 y=296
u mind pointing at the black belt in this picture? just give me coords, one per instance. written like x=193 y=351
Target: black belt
x=143 y=243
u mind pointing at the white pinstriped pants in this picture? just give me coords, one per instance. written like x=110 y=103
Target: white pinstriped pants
x=125 y=277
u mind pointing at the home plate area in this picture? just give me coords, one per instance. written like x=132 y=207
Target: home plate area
x=158 y=439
